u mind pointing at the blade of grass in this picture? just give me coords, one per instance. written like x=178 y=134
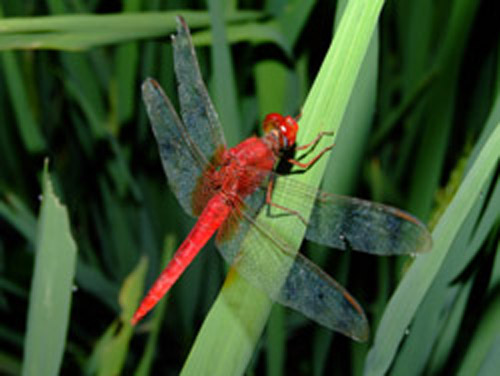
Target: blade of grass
x=14 y=211
x=252 y=32
x=415 y=24
x=272 y=80
x=223 y=83
x=291 y=21
x=439 y=307
x=450 y=328
x=82 y=82
x=83 y=31
x=414 y=287
x=440 y=109
x=122 y=252
x=283 y=30
x=241 y=311
x=491 y=362
x=440 y=301
x=28 y=127
x=109 y=354
x=347 y=155
x=495 y=273
x=93 y=281
x=9 y=365
x=127 y=58
x=485 y=345
x=144 y=367
x=52 y=285
x=275 y=342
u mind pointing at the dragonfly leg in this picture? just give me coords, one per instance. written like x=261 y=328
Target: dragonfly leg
x=306 y=165
x=270 y=203
x=315 y=141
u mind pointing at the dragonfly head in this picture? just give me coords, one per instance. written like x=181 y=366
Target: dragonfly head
x=285 y=127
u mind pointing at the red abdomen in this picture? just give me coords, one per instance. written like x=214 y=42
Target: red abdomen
x=214 y=214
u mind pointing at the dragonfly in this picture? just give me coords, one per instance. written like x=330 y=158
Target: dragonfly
x=227 y=188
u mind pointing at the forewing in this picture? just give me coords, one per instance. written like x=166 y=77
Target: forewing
x=182 y=164
x=197 y=110
x=349 y=223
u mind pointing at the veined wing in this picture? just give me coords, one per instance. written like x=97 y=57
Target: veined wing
x=265 y=260
x=309 y=290
x=186 y=149
x=349 y=223
x=181 y=163
x=343 y=222
x=204 y=131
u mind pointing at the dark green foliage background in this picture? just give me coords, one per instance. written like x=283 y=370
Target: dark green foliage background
x=438 y=80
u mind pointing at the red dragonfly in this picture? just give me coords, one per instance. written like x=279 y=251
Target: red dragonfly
x=227 y=187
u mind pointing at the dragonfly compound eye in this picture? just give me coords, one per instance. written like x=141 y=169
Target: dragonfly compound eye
x=288 y=129
x=272 y=121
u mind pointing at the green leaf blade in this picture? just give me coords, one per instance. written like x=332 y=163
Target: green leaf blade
x=412 y=290
x=52 y=286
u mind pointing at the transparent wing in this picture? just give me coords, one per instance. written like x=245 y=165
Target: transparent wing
x=263 y=257
x=202 y=122
x=186 y=149
x=309 y=290
x=350 y=223
x=265 y=260
x=181 y=163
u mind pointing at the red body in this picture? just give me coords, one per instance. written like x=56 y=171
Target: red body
x=229 y=183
